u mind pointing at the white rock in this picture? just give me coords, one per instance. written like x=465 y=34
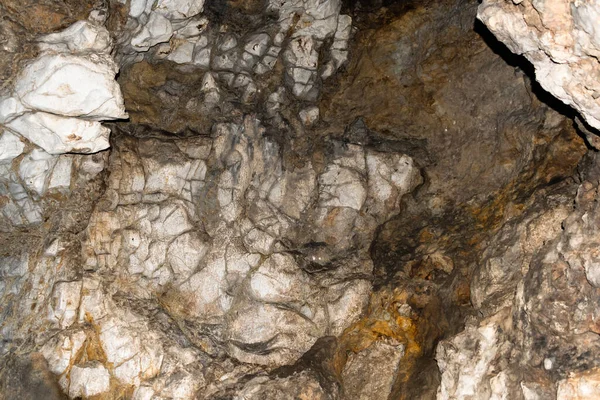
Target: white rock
x=292 y=193
x=209 y=83
x=172 y=177
x=194 y=27
x=319 y=29
x=344 y=28
x=322 y=9
x=204 y=289
x=138 y=7
x=179 y=9
x=183 y=53
x=339 y=57
x=301 y=75
x=328 y=70
x=500 y=387
x=172 y=221
x=560 y=38
x=157 y=30
x=35 y=169
x=88 y=380
x=349 y=306
x=202 y=56
x=309 y=116
x=61 y=174
x=257 y=44
x=65 y=303
x=227 y=42
x=92 y=301
x=118 y=341
x=391 y=176
x=304 y=92
x=20 y=209
x=302 y=53
x=185 y=253
x=71 y=86
x=225 y=62
x=11 y=146
x=341 y=187
x=370 y=374
x=579 y=386
x=465 y=360
x=81 y=37
x=144 y=393
x=183 y=386
x=60 y=350
x=58 y=135
x=280 y=336
x=280 y=280
x=10 y=108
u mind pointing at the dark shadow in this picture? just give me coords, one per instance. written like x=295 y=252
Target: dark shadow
x=590 y=135
x=522 y=64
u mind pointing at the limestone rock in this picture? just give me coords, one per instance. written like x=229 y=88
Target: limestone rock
x=60 y=96
x=71 y=86
x=179 y=9
x=158 y=29
x=262 y=230
x=302 y=386
x=59 y=135
x=466 y=360
x=370 y=374
x=81 y=37
x=560 y=39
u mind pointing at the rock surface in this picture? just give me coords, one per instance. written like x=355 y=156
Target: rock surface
x=311 y=199
x=560 y=39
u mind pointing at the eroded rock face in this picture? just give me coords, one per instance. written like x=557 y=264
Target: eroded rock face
x=246 y=258
x=54 y=108
x=219 y=233
x=202 y=69
x=280 y=220
x=536 y=281
x=540 y=326
x=560 y=39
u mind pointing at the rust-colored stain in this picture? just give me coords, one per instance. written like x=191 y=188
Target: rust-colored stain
x=383 y=322
x=92 y=350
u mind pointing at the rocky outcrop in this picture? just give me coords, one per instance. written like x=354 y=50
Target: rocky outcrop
x=247 y=258
x=560 y=39
x=54 y=108
x=536 y=290
x=535 y=284
x=214 y=67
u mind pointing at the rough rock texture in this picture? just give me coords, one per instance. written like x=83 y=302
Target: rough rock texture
x=54 y=108
x=310 y=199
x=538 y=303
x=560 y=39
x=370 y=373
x=202 y=70
x=535 y=286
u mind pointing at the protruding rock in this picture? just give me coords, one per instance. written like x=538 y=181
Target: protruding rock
x=560 y=39
x=58 y=135
x=370 y=374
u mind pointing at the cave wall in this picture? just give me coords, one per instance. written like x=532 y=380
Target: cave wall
x=281 y=199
